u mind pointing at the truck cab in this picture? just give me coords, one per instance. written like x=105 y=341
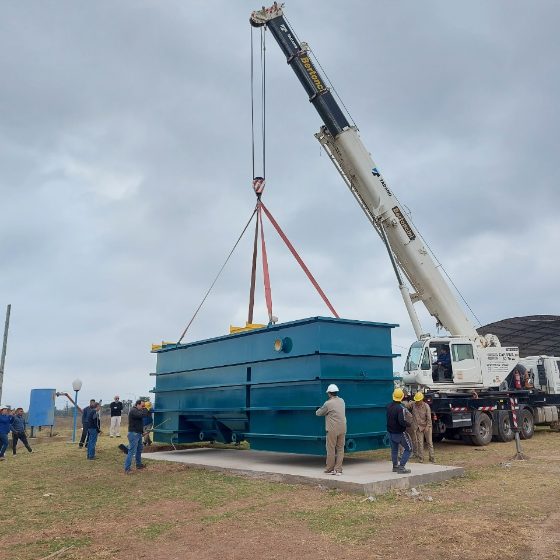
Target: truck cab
x=457 y=361
x=544 y=372
x=442 y=361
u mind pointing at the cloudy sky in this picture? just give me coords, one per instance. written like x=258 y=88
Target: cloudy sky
x=125 y=171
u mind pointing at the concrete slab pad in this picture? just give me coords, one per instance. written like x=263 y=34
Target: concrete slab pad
x=360 y=475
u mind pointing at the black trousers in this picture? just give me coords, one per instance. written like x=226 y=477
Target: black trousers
x=21 y=436
x=84 y=436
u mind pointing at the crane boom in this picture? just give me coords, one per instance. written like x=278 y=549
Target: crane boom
x=349 y=155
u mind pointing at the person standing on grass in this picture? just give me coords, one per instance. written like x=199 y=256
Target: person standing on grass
x=334 y=411
x=93 y=428
x=6 y=420
x=116 y=411
x=85 y=412
x=18 y=431
x=135 y=430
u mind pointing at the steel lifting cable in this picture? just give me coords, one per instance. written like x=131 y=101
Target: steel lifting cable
x=262 y=60
x=263 y=99
x=252 y=107
x=217 y=276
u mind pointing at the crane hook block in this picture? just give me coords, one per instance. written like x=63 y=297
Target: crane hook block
x=258 y=185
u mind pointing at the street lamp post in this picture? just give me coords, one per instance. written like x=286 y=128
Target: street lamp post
x=76 y=385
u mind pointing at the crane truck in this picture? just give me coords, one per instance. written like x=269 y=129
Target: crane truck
x=477 y=381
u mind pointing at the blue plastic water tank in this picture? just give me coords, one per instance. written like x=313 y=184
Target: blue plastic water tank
x=41 y=407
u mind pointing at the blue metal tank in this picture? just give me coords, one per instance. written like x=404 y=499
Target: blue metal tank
x=41 y=407
x=264 y=385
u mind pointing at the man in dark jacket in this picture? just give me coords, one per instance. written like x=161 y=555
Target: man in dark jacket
x=135 y=430
x=83 y=438
x=6 y=420
x=18 y=431
x=93 y=428
x=396 y=428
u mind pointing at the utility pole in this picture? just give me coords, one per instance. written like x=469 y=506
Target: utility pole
x=3 y=358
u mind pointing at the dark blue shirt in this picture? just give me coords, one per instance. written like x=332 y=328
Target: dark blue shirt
x=5 y=423
x=92 y=418
x=445 y=359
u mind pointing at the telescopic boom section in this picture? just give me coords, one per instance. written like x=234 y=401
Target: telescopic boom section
x=300 y=61
x=354 y=163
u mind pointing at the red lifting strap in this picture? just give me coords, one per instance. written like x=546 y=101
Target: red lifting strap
x=296 y=256
x=266 y=276
x=253 y=273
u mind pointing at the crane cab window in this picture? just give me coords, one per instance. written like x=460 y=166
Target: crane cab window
x=426 y=359
x=462 y=352
x=414 y=355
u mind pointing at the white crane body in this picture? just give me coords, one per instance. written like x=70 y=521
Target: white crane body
x=475 y=387
x=477 y=362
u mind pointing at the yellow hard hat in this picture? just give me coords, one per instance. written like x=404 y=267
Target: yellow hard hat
x=419 y=397
x=398 y=395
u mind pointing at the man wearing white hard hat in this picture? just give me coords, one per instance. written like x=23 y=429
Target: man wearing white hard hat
x=334 y=411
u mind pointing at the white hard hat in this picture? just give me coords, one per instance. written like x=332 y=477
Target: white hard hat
x=332 y=388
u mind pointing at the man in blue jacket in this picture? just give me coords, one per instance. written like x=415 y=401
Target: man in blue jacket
x=93 y=428
x=396 y=428
x=18 y=431
x=83 y=438
x=6 y=420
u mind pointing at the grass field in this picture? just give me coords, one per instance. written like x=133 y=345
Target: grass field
x=56 y=504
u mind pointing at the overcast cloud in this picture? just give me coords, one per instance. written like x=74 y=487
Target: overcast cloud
x=125 y=171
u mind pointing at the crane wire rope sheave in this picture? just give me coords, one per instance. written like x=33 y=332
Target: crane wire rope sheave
x=258 y=187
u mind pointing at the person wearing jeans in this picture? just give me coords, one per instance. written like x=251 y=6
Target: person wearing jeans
x=94 y=427
x=396 y=428
x=18 y=431
x=135 y=432
x=85 y=412
x=6 y=420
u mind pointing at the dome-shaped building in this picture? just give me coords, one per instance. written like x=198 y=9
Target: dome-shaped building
x=535 y=335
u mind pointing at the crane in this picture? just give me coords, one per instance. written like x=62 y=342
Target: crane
x=475 y=361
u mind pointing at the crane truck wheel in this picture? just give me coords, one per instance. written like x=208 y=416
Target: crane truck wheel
x=482 y=429
x=526 y=424
x=503 y=428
